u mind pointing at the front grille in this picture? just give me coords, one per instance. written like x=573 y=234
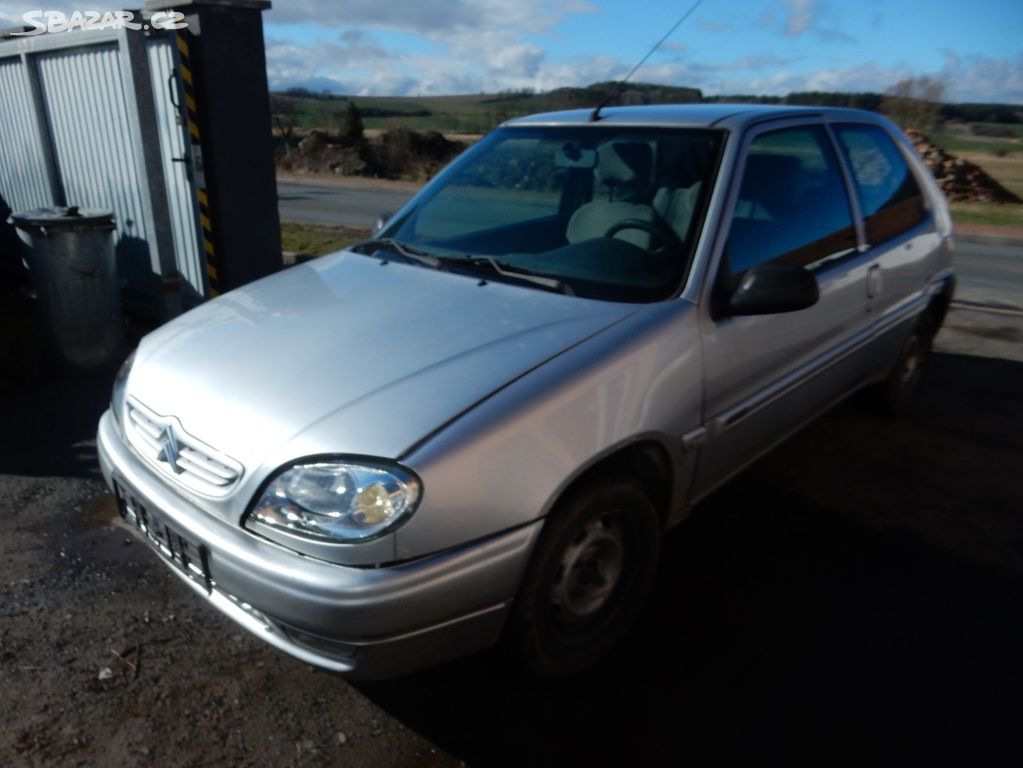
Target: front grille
x=177 y=454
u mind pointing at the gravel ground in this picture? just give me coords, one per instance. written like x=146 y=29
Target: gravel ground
x=856 y=592
x=107 y=659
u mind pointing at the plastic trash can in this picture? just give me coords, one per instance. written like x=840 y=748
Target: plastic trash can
x=71 y=260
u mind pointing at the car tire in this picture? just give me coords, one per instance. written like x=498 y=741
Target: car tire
x=897 y=393
x=587 y=579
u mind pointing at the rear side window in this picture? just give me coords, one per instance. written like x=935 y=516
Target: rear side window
x=792 y=206
x=889 y=195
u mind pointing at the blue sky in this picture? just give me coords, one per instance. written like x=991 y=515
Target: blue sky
x=409 y=47
x=726 y=46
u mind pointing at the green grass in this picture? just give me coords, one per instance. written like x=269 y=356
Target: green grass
x=474 y=113
x=957 y=143
x=317 y=240
x=467 y=113
x=988 y=214
x=1014 y=127
x=1007 y=170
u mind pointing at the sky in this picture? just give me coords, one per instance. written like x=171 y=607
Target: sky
x=769 y=47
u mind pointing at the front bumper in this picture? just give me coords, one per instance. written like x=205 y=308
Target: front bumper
x=364 y=622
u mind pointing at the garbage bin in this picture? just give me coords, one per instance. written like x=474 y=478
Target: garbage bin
x=71 y=261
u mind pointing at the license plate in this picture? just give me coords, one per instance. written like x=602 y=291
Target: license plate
x=189 y=558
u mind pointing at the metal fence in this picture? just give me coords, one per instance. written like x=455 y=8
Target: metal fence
x=91 y=118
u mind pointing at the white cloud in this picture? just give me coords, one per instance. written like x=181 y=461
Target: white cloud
x=801 y=16
x=492 y=45
x=706 y=25
x=978 y=78
x=436 y=20
x=813 y=16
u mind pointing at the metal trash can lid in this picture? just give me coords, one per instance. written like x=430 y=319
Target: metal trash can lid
x=70 y=216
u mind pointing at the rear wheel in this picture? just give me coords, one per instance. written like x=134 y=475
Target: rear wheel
x=902 y=386
x=588 y=577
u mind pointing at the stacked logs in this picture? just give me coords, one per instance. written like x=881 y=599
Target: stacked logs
x=960 y=180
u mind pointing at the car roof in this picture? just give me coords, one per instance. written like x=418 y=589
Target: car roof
x=693 y=115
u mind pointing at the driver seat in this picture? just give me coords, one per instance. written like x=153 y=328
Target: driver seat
x=624 y=167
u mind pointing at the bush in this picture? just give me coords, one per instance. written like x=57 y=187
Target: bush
x=352 y=127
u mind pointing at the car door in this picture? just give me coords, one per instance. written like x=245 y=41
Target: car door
x=766 y=375
x=901 y=239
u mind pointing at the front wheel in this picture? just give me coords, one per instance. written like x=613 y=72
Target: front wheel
x=587 y=579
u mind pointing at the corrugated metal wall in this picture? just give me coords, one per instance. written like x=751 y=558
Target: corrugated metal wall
x=85 y=97
x=22 y=167
x=75 y=103
x=183 y=213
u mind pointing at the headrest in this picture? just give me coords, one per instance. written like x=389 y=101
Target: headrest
x=624 y=163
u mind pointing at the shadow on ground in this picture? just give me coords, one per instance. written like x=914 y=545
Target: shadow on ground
x=48 y=427
x=857 y=592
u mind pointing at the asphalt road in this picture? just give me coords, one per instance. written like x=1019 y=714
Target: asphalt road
x=989 y=274
x=352 y=205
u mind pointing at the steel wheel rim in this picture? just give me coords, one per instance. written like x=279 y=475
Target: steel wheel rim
x=589 y=571
x=909 y=367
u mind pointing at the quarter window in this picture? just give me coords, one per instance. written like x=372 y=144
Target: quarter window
x=889 y=195
x=792 y=206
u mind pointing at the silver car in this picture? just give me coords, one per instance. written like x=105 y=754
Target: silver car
x=477 y=425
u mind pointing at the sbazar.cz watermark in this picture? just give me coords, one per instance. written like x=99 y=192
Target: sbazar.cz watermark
x=50 y=22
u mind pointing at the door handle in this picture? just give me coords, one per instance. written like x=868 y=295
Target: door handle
x=873 y=282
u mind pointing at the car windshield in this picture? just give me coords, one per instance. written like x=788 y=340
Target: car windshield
x=609 y=213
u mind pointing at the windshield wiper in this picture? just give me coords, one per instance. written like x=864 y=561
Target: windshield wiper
x=490 y=264
x=409 y=254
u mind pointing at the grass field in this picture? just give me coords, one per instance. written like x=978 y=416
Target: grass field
x=958 y=144
x=1002 y=158
x=988 y=215
x=1008 y=171
x=316 y=240
x=471 y=114
x=466 y=113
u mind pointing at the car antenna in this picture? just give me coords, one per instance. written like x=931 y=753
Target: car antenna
x=595 y=114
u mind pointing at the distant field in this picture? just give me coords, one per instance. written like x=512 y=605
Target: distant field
x=988 y=215
x=1016 y=128
x=466 y=113
x=1008 y=170
x=958 y=143
x=472 y=114
x=1002 y=158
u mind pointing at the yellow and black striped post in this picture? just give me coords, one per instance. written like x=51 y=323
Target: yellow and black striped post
x=225 y=110
x=188 y=76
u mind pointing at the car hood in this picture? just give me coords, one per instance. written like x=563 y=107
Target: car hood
x=348 y=354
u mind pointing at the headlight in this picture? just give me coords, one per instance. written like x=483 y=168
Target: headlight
x=117 y=397
x=338 y=501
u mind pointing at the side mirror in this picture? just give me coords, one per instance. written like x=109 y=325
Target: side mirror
x=381 y=221
x=769 y=289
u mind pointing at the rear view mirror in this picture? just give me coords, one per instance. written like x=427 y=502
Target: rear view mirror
x=769 y=289
x=571 y=155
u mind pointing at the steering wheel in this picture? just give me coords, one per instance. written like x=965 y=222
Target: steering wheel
x=657 y=229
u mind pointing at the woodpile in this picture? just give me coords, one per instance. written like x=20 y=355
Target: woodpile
x=960 y=180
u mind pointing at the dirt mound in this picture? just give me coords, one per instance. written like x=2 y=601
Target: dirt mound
x=960 y=180
x=403 y=153
x=399 y=153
